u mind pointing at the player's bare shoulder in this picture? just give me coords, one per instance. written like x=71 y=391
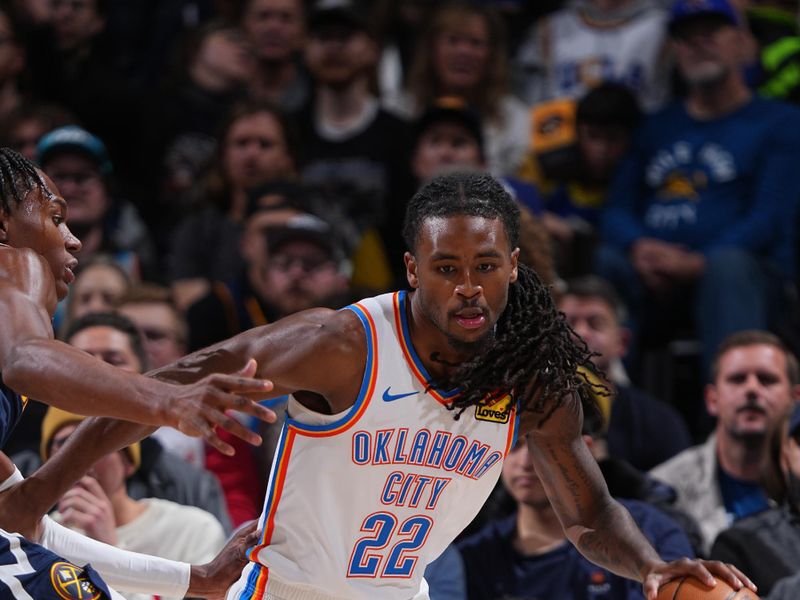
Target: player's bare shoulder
x=338 y=337
x=24 y=271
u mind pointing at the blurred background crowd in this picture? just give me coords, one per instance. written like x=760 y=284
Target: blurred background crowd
x=230 y=162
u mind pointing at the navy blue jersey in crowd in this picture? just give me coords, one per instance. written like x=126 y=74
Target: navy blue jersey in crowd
x=11 y=405
x=495 y=570
x=728 y=181
x=29 y=571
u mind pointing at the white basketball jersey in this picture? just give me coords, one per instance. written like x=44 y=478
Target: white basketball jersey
x=357 y=507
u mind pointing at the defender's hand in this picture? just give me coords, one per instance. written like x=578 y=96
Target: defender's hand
x=213 y=579
x=197 y=409
x=704 y=570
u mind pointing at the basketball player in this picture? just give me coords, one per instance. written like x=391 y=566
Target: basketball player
x=402 y=409
x=36 y=267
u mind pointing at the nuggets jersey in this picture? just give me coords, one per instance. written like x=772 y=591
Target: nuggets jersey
x=11 y=406
x=582 y=55
x=360 y=502
x=30 y=572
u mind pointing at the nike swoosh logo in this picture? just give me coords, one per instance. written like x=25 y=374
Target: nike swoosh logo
x=387 y=397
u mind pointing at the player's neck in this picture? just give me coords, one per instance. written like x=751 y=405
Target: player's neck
x=538 y=530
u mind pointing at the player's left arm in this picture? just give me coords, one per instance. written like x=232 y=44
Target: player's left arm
x=599 y=526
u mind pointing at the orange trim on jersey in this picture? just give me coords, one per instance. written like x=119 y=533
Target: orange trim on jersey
x=512 y=429
x=407 y=353
x=369 y=380
x=274 y=495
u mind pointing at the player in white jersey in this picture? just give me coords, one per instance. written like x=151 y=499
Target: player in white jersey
x=375 y=475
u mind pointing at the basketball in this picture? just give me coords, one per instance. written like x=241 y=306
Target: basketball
x=690 y=588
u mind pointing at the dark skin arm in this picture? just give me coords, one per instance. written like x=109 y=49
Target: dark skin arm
x=599 y=527
x=35 y=365
x=319 y=355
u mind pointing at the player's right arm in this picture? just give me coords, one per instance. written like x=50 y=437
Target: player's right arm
x=32 y=363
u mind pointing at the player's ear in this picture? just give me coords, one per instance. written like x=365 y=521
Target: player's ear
x=4 y=218
x=411 y=270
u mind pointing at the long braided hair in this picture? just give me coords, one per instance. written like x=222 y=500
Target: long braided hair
x=18 y=176
x=534 y=353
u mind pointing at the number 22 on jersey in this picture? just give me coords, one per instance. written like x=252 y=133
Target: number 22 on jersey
x=370 y=557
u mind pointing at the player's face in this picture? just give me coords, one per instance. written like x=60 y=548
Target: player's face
x=40 y=223
x=751 y=391
x=595 y=322
x=520 y=478
x=461 y=269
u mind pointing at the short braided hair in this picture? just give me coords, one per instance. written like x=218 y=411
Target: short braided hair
x=18 y=176
x=534 y=354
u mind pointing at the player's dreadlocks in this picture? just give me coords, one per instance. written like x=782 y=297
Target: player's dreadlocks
x=18 y=176
x=534 y=351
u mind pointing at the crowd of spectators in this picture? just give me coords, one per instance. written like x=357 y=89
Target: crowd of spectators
x=228 y=163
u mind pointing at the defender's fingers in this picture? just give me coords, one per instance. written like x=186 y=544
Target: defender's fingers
x=235 y=383
x=210 y=436
x=233 y=426
x=249 y=407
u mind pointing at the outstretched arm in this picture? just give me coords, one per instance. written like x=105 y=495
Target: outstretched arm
x=599 y=527
x=35 y=365
x=320 y=351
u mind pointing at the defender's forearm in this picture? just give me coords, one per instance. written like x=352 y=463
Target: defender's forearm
x=63 y=376
x=615 y=542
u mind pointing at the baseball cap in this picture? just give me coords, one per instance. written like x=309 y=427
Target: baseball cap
x=682 y=10
x=55 y=419
x=794 y=420
x=348 y=12
x=310 y=228
x=72 y=138
x=450 y=109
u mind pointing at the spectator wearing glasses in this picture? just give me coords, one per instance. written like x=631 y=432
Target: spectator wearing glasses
x=300 y=265
x=78 y=163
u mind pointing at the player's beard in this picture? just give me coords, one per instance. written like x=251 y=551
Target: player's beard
x=462 y=347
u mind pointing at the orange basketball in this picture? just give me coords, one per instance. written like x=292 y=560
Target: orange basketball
x=690 y=588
